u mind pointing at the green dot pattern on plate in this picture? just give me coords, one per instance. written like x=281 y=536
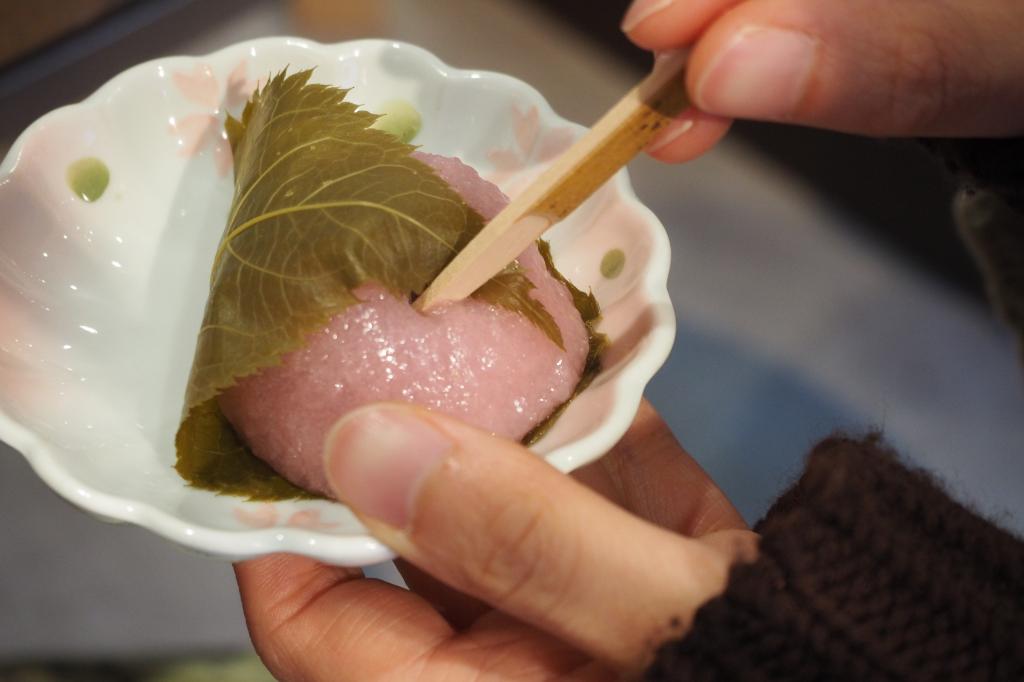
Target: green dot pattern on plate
x=400 y=118
x=613 y=263
x=88 y=178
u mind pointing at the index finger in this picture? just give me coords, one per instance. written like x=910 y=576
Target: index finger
x=650 y=474
x=305 y=617
x=314 y=622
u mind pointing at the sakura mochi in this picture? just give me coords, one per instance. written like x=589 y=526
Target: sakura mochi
x=335 y=226
x=484 y=364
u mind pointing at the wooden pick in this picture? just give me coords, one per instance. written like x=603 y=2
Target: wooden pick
x=626 y=129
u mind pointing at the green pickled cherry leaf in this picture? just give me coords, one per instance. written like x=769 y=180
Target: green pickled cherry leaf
x=585 y=302
x=323 y=203
x=510 y=289
x=210 y=455
x=590 y=311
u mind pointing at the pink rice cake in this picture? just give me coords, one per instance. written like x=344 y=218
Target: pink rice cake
x=486 y=365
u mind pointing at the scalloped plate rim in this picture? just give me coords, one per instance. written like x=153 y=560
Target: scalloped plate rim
x=352 y=550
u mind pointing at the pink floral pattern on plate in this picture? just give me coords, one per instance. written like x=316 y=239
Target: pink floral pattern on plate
x=198 y=131
x=256 y=515
x=531 y=146
x=266 y=515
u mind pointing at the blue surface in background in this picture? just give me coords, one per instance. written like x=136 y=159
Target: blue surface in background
x=749 y=422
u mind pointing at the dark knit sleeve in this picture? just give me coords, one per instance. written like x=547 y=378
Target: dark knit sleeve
x=867 y=571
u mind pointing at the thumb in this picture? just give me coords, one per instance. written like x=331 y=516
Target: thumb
x=878 y=67
x=493 y=520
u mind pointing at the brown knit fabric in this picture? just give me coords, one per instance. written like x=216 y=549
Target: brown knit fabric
x=868 y=571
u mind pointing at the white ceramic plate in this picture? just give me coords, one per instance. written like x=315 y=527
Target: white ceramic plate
x=100 y=300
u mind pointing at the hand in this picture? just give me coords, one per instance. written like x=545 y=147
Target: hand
x=515 y=570
x=877 y=67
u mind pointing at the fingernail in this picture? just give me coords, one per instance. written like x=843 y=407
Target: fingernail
x=640 y=10
x=676 y=129
x=376 y=459
x=761 y=73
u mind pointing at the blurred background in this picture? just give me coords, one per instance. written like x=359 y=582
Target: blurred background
x=817 y=278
